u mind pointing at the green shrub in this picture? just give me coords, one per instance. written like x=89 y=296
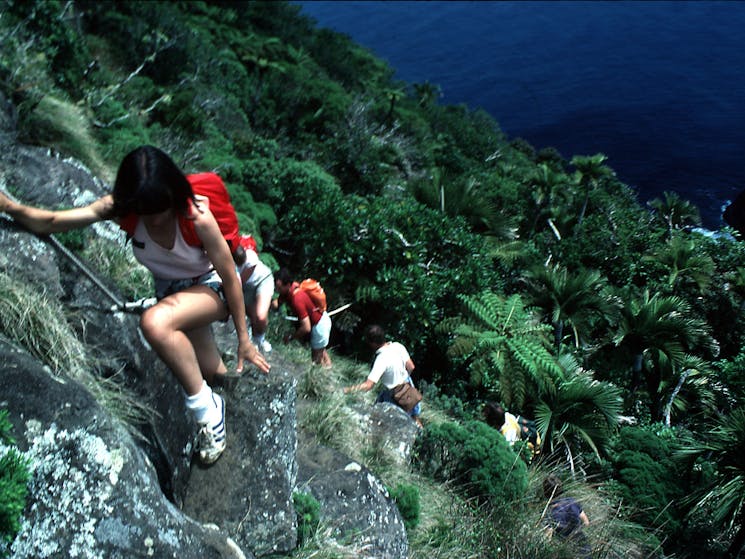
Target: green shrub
x=475 y=456
x=308 y=511
x=406 y=497
x=647 y=479
x=13 y=477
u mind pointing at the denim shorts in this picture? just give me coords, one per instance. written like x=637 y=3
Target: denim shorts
x=166 y=287
x=386 y=396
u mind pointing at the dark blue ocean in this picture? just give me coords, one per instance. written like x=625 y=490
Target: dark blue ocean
x=659 y=87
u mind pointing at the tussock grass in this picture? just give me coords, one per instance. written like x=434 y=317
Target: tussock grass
x=62 y=125
x=318 y=382
x=36 y=322
x=379 y=455
x=115 y=260
x=332 y=423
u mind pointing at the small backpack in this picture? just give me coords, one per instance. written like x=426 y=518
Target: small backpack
x=315 y=292
x=211 y=186
x=248 y=243
x=529 y=432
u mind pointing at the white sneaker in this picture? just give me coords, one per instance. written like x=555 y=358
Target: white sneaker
x=264 y=346
x=211 y=438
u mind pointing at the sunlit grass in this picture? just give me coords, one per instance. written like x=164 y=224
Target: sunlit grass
x=114 y=260
x=333 y=424
x=62 y=125
x=37 y=322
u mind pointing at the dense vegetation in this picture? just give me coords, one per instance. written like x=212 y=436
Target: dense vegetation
x=511 y=273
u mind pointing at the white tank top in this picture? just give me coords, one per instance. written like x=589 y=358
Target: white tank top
x=181 y=262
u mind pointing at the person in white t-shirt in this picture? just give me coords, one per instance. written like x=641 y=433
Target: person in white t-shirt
x=258 y=289
x=393 y=366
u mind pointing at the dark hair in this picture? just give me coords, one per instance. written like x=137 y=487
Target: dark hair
x=375 y=335
x=239 y=255
x=552 y=486
x=494 y=415
x=149 y=182
x=284 y=276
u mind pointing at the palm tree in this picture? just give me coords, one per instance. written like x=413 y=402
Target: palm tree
x=676 y=212
x=690 y=385
x=548 y=187
x=570 y=299
x=393 y=94
x=427 y=93
x=581 y=410
x=683 y=258
x=466 y=198
x=724 y=445
x=659 y=327
x=506 y=346
x=590 y=173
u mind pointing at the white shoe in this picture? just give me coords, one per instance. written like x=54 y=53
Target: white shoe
x=264 y=346
x=211 y=438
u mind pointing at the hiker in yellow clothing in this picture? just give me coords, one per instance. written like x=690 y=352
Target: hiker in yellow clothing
x=513 y=428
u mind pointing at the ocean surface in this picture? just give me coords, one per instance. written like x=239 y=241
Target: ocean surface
x=658 y=87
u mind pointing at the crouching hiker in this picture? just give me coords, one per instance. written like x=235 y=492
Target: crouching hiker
x=565 y=517
x=513 y=427
x=195 y=285
x=308 y=302
x=393 y=367
x=258 y=290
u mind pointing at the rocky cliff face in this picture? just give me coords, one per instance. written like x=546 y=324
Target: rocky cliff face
x=97 y=490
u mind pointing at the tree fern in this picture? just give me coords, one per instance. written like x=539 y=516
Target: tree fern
x=505 y=346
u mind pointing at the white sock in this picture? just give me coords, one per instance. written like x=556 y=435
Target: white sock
x=258 y=340
x=203 y=405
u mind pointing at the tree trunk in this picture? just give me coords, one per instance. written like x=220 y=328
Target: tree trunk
x=636 y=371
x=558 y=333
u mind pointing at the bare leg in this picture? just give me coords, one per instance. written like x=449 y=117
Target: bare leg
x=259 y=314
x=208 y=355
x=320 y=357
x=165 y=326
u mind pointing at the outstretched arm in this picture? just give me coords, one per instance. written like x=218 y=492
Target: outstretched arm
x=43 y=222
x=219 y=254
x=363 y=386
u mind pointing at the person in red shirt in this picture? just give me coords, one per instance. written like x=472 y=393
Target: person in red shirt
x=311 y=319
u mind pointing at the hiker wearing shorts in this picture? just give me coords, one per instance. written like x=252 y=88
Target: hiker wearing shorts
x=195 y=286
x=258 y=290
x=393 y=366
x=311 y=319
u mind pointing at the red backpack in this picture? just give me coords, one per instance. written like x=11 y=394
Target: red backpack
x=315 y=292
x=211 y=186
x=248 y=243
